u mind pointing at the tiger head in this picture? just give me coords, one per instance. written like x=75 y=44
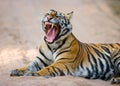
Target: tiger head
x=56 y=26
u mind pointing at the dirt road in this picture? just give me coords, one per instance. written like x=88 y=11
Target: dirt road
x=21 y=34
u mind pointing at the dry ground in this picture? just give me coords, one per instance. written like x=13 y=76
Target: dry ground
x=21 y=34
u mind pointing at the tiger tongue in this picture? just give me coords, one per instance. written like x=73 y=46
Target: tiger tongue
x=50 y=35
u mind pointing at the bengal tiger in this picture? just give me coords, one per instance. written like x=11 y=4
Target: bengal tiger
x=61 y=53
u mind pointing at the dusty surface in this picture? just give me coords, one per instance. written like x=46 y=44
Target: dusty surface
x=21 y=34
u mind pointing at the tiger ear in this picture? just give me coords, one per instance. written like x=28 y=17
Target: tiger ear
x=69 y=15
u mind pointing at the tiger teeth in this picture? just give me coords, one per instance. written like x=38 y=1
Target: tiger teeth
x=52 y=26
x=45 y=24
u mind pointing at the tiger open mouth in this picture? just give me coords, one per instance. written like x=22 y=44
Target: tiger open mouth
x=52 y=31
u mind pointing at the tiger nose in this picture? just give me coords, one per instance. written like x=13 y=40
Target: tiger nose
x=49 y=17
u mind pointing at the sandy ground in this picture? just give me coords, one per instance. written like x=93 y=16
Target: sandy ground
x=21 y=34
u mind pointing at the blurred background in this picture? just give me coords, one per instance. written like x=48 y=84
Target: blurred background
x=94 y=21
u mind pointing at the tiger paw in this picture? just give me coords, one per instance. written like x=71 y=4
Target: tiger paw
x=16 y=72
x=115 y=80
x=31 y=74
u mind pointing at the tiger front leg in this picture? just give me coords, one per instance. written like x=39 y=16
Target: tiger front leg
x=19 y=72
x=25 y=71
x=56 y=69
x=29 y=70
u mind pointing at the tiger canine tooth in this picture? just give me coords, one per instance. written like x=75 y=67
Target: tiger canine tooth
x=52 y=26
x=45 y=23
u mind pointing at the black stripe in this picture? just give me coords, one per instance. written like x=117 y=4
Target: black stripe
x=115 y=55
x=111 y=45
x=61 y=44
x=60 y=71
x=107 y=62
x=68 y=71
x=51 y=73
x=89 y=74
x=49 y=48
x=102 y=75
x=88 y=56
x=44 y=55
x=42 y=61
x=110 y=61
x=54 y=70
x=81 y=64
x=106 y=71
x=107 y=68
x=63 y=59
x=93 y=58
x=91 y=65
x=96 y=51
x=94 y=66
x=70 y=45
x=36 y=66
x=61 y=53
x=118 y=44
x=67 y=30
x=116 y=59
x=106 y=49
x=101 y=67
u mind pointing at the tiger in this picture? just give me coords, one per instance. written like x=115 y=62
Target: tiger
x=61 y=53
